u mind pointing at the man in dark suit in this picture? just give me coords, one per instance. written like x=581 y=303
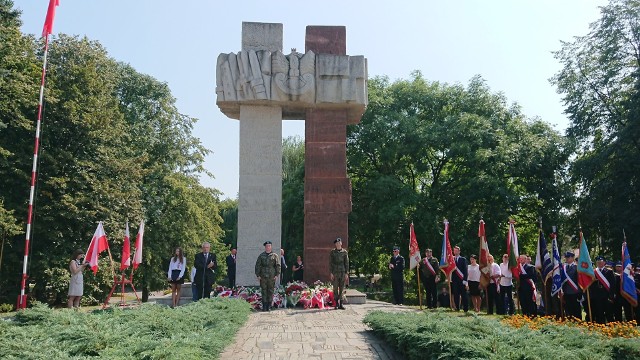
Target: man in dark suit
x=205 y=263
x=570 y=288
x=429 y=274
x=231 y=268
x=527 y=287
x=396 y=265
x=459 y=285
x=601 y=293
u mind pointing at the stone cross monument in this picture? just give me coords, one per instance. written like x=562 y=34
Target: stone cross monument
x=260 y=86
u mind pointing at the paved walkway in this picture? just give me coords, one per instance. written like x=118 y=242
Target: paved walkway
x=311 y=334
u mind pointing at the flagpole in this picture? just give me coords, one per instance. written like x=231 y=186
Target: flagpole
x=419 y=290
x=544 y=280
x=450 y=294
x=22 y=299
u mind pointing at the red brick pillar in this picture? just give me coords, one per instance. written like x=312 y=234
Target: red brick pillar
x=327 y=190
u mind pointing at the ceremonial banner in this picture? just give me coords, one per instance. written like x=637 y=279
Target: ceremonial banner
x=414 y=251
x=628 y=283
x=543 y=260
x=447 y=262
x=585 y=267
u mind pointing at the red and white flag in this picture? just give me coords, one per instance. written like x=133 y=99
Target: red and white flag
x=126 y=250
x=483 y=261
x=98 y=244
x=414 y=251
x=137 y=257
x=51 y=14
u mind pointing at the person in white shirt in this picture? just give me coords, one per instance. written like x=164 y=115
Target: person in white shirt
x=473 y=278
x=493 y=290
x=506 y=287
x=175 y=275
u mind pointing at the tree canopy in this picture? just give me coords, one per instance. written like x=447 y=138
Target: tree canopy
x=600 y=84
x=114 y=148
x=425 y=151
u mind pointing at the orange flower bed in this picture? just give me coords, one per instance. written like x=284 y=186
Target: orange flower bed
x=611 y=330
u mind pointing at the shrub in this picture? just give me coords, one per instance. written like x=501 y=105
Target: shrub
x=443 y=335
x=4 y=308
x=148 y=332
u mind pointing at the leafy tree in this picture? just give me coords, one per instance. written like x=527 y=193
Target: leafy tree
x=292 y=197
x=229 y=214
x=114 y=147
x=600 y=84
x=425 y=150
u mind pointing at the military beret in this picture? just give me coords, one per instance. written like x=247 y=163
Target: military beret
x=569 y=254
x=609 y=263
x=599 y=258
x=396 y=248
x=618 y=263
x=337 y=240
x=267 y=243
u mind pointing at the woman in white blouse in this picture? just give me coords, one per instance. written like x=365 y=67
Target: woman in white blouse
x=175 y=274
x=473 y=277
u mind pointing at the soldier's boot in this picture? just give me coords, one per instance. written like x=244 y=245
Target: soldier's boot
x=337 y=305
x=268 y=306
x=341 y=307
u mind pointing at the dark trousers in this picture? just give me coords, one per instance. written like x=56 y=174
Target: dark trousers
x=232 y=280
x=493 y=298
x=598 y=307
x=429 y=284
x=527 y=303
x=204 y=289
x=572 y=306
x=506 y=298
x=398 y=288
x=619 y=305
x=459 y=295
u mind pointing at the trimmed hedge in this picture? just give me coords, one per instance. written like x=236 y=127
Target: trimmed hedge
x=193 y=331
x=441 y=335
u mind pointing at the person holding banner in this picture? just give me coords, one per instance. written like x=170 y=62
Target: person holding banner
x=429 y=270
x=76 y=283
x=570 y=288
x=527 y=287
x=459 y=284
x=602 y=292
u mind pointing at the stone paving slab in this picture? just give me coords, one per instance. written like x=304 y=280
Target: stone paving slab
x=312 y=334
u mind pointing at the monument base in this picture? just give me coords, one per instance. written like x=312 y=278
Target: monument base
x=355 y=297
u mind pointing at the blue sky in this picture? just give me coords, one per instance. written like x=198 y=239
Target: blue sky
x=509 y=43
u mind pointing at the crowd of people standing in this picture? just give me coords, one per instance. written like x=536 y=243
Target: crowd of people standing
x=529 y=294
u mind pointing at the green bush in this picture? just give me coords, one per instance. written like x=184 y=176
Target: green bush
x=443 y=335
x=197 y=330
x=4 y=308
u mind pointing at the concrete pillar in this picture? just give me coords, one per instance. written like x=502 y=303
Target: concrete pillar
x=260 y=197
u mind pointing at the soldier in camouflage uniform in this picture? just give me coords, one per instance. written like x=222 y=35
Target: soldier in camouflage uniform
x=339 y=268
x=267 y=271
